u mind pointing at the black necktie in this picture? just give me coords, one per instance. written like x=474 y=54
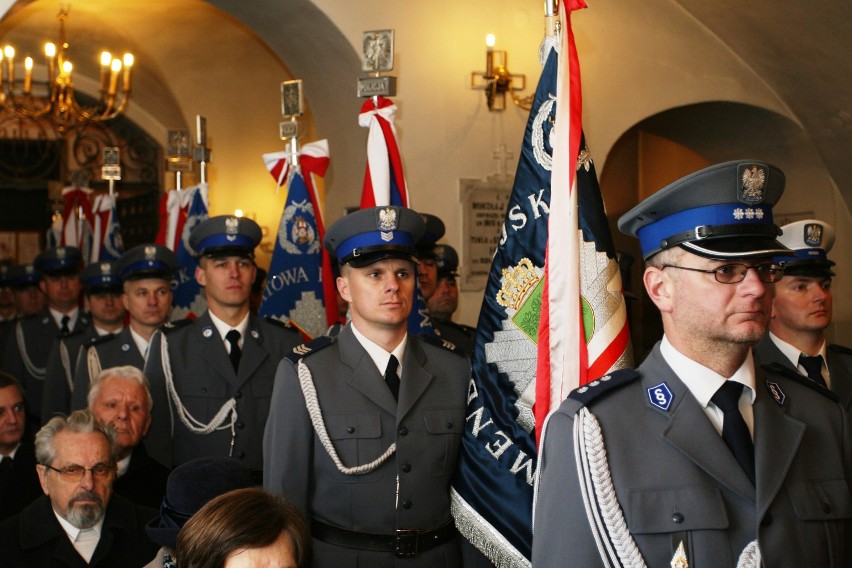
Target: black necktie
x=5 y=468
x=813 y=366
x=233 y=338
x=64 y=329
x=734 y=429
x=391 y=377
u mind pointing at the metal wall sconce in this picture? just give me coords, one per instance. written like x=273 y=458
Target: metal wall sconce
x=496 y=81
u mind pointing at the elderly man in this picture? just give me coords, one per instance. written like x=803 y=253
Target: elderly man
x=121 y=396
x=146 y=273
x=102 y=299
x=365 y=428
x=212 y=377
x=19 y=484
x=802 y=311
x=28 y=347
x=78 y=521
x=698 y=457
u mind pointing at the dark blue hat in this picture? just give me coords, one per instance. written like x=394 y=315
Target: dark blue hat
x=59 y=261
x=447 y=260
x=101 y=277
x=189 y=487
x=810 y=241
x=147 y=261
x=369 y=235
x=225 y=235
x=435 y=229
x=24 y=276
x=722 y=212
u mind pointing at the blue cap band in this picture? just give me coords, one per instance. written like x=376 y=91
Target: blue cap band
x=803 y=255
x=373 y=239
x=653 y=234
x=145 y=266
x=220 y=240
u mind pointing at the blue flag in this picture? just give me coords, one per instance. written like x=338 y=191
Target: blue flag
x=294 y=289
x=188 y=300
x=493 y=486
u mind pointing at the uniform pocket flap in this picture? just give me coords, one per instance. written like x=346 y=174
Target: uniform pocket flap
x=443 y=421
x=353 y=426
x=675 y=509
x=823 y=500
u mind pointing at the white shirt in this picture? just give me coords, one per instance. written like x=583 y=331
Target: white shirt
x=84 y=543
x=142 y=344
x=223 y=329
x=703 y=384
x=378 y=354
x=72 y=317
x=792 y=353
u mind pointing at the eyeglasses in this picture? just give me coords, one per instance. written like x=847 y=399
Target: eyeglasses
x=75 y=473
x=732 y=273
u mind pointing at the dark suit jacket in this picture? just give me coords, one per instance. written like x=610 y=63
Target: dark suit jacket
x=676 y=480
x=462 y=336
x=144 y=482
x=39 y=333
x=59 y=375
x=35 y=538
x=112 y=351
x=205 y=380
x=839 y=366
x=21 y=487
x=411 y=490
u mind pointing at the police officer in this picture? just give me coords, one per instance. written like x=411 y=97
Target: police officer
x=802 y=310
x=364 y=430
x=102 y=298
x=29 y=299
x=699 y=458
x=7 y=297
x=211 y=378
x=29 y=344
x=427 y=269
x=445 y=301
x=146 y=273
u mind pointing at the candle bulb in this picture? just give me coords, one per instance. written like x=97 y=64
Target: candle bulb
x=50 y=53
x=28 y=75
x=128 y=63
x=106 y=59
x=9 y=52
x=489 y=55
x=113 y=76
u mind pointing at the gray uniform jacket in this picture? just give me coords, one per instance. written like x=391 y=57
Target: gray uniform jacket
x=839 y=366
x=205 y=381
x=676 y=480
x=363 y=420
x=59 y=374
x=112 y=351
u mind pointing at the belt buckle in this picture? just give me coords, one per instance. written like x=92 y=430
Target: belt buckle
x=405 y=543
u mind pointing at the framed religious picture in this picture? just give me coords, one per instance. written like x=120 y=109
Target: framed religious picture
x=291 y=98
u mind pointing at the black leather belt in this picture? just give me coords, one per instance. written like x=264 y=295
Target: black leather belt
x=404 y=544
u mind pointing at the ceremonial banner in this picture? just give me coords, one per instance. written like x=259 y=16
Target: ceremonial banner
x=188 y=300
x=493 y=487
x=107 y=244
x=300 y=286
x=77 y=219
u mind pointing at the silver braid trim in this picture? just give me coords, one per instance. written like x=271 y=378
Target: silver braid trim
x=66 y=364
x=37 y=373
x=306 y=381
x=481 y=534
x=606 y=519
x=750 y=556
x=93 y=362
x=192 y=424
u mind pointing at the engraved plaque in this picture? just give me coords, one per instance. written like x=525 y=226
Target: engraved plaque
x=484 y=205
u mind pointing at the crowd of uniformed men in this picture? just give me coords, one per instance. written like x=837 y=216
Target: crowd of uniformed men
x=361 y=429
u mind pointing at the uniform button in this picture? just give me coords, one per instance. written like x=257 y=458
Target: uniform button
x=238 y=394
x=677 y=518
x=449 y=425
x=826 y=508
x=406 y=467
x=767 y=520
x=241 y=455
x=351 y=429
x=403 y=431
x=241 y=425
x=406 y=504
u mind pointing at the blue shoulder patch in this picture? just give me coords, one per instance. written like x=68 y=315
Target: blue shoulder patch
x=441 y=342
x=307 y=348
x=788 y=373
x=599 y=387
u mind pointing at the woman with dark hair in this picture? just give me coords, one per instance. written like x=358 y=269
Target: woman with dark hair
x=245 y=528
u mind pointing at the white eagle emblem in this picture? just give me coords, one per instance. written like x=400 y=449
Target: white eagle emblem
x=752 y=185
x=232 y=225
x=150 y=253
x=387 y=219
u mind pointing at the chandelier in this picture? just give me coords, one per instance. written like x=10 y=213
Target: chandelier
x=54 y=100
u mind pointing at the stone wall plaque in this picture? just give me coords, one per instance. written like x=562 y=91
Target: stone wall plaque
x=484 y=203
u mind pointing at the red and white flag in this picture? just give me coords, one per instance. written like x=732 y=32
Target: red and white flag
x=384 y=180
